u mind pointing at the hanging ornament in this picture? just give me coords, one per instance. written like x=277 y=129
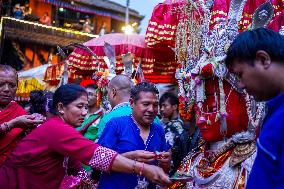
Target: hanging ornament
x=201 y=120
x=208 y=121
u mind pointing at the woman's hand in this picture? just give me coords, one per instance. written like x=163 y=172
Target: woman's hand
x=156 y=175
x=152 y=173
x=140 y=155
x=26 y=121
x=164 y=160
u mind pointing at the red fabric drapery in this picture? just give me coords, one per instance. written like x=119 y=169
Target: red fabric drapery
x=8 y=142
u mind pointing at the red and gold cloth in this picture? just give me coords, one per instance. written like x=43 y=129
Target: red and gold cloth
x=277 y=22
x=54 y=72
x=161 y=30
x=154 y=62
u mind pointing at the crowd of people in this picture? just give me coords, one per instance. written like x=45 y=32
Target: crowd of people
x=36 y=161
x=25 y=13
x=66 y=139
x=20 y=12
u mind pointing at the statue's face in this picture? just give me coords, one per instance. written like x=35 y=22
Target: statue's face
x=237 y=120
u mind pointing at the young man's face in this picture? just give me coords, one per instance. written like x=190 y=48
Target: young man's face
x=92 y=96
x=167 y=110
x=253 y=79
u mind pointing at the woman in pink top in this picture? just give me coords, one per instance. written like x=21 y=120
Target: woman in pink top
x=37 y=161
x=45 y=19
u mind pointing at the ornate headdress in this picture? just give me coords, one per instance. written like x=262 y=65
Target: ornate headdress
x=209 y=61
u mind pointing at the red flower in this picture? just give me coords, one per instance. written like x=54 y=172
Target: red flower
x=207 y=71
x=86 y=82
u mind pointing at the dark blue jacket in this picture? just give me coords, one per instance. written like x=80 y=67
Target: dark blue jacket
x=268 y=169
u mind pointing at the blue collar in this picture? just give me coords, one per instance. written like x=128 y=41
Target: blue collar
x=121 y=105
x=276 y=101
x=137 y=130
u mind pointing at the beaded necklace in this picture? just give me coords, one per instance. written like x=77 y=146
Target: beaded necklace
x=255 y=111
x=142 y=183
x=149 y=139
x=121 y=105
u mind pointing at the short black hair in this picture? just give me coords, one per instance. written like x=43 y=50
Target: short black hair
x=91 y=86
x=41 y=101
x=143 y=86
x=66 y=94
x=173 y=99
x=246 y=45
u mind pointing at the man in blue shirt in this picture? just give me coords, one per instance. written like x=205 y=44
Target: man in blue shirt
x=118 y=92
x=257 y=58
x=136 y=137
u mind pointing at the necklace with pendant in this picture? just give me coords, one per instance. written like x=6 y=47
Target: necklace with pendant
x=142 y=183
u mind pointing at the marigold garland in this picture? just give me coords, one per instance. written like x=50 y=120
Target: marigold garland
x=185 y=110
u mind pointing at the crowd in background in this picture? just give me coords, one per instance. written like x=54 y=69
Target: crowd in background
x=25 y=13
x=142 y=139
x=132 y=128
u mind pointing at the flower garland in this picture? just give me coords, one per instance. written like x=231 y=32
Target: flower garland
x=101 y=80
x=255 y=112
x=223 y=112
x=185 y=105
x=187 y=47
x=185 y=109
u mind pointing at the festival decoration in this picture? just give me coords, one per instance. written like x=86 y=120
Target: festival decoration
x=54 y=74
x=219 y=105
x=30 y=80
x=101 y=79
x=277 y=24
x=166 y=16
x=153 y=62
x=26 y=86
x=161 y=30
x=199 y=57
